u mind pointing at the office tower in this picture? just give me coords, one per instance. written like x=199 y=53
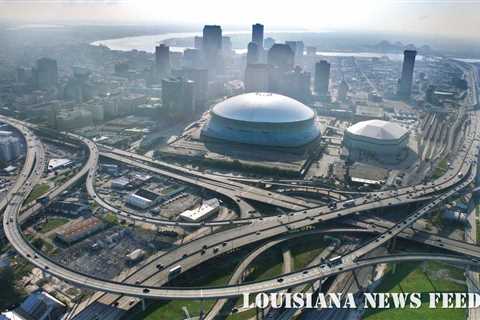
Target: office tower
x=45 y=73
x=197 y=42
x=322 y=77
x=121 y=68
x=77 y=88
x=297 y=47
x=162 y=61
x=297 y=85
x=227 y=45
x=212 y=48
x=253 y=53
x=342 y=91
x=200 y=78
x=10 y=148
x=21 y=75
x=257 y=34
x=178 y=97
x=192 y=58
x=268 y=43
x=405 y=83
x=281 y=56
x=430 y=94
x=256 y=78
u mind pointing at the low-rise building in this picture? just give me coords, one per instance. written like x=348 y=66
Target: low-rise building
x=142 y=198
x=201 y=213
x=120 y=183
x=79 y=230
x=39 y=306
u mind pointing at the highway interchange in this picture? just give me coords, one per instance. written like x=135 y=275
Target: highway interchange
x=148 y=280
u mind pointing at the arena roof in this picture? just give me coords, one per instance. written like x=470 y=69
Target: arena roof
x=263 y=108
x=378 y=129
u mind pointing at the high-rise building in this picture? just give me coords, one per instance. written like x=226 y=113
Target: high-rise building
x=178 y=97
x=197 y=42
x=253 y=53
x=227 y=48
x=322 y=77
x=405 y=82
x=256 y=78
x=297 y=47
x=257 y=34
x=200 y=79
x=212 y=48
x=162 y=60
x=10 y=148
x=342 y=91
x=281 y=56
x=78 y=88
x=45 y=73
x=430 y=94
x=192 y=58
x=268 y=43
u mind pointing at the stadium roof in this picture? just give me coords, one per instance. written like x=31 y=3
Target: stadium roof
x=378 y=129
x=263 y=108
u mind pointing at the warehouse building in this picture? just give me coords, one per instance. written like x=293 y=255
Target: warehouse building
x=208 y=208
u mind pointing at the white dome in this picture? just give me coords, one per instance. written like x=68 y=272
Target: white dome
x=263 y=108
x=378 y=129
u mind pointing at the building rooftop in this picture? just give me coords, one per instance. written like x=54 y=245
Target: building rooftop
x=378 y=129
x=264 y=108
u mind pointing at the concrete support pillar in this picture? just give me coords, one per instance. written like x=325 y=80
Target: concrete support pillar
x=317 y=285
x=373 y=271
x=354 y=273
x=392 y=244
x=144 y=305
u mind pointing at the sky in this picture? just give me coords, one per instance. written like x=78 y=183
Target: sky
x=455 y=18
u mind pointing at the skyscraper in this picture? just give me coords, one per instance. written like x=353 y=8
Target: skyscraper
x=197 y=42
x=257 y=34
x=256 y=78
x=253 y=53
x=342 y=91
x=405 y=83
x=268 y=43
x=227 y=45
x=45 y=74
x=200 y=78
x=162 y=60
x=192 y=58
x=281 y=56
x=212 y=47
x=178 y=97
x=297 y=47
x=322 y=77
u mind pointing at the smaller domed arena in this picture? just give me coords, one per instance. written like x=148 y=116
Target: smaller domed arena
x=376 y=137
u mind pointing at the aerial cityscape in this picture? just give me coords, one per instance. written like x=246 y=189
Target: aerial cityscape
x=182 y=168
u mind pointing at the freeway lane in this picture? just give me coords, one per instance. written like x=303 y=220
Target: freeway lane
x=275 y=226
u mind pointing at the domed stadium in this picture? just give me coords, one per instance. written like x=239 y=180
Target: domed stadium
x=260 y=118
x=376 y=136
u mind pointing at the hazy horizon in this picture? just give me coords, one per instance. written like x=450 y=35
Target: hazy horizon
x=457 y=19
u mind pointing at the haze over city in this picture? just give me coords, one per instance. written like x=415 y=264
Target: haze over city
x=420 y=17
